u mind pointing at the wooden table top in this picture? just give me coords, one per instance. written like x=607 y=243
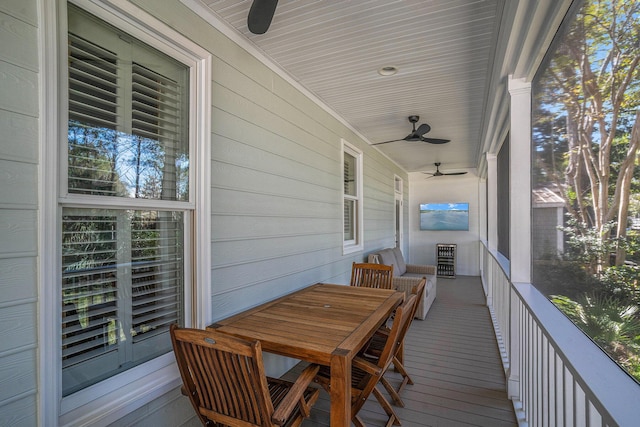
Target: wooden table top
x=314 y=323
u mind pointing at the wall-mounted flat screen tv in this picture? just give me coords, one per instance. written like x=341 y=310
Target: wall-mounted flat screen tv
x=444 y=216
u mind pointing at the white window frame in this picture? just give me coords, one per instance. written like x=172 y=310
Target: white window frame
x=398 y=185
x=106 y=402
x=398 y=210
x=357 y=244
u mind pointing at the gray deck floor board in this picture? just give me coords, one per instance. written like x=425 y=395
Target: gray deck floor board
x=453 y=359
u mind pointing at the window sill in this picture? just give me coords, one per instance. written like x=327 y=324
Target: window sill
x=125 y=395
x=350 y=249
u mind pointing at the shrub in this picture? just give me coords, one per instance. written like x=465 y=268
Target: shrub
x=610 y=323
x=623 y=283
x=563 y=277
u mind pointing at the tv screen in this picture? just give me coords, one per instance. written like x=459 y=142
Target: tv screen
x=444 y=216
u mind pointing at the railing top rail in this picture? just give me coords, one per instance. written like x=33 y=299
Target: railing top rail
x=501 y=260
x=608 y=387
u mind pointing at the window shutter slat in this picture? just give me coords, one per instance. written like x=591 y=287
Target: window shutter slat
x=157 y=277
x=89 y=287
x=94 y=264
x=93 y=80
x=122 y=269
x=93 y=117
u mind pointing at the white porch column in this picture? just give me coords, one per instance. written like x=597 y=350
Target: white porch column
x=492 y=201
x=520 y=181
x=520 y=217
x=492 y=225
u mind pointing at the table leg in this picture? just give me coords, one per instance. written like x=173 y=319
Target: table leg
x=340 y=390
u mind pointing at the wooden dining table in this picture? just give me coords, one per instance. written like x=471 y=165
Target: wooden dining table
x=325 y=324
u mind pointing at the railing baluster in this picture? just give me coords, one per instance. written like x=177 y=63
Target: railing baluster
x=549 y=363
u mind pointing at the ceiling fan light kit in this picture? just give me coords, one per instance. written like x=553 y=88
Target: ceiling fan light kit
x=416 y=135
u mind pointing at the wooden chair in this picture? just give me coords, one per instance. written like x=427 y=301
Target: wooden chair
x=367 y=370
x=225 y=380
x=376 y=346
x=372 y=275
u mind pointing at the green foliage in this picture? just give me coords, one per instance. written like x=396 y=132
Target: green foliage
x=563 y=277
x=588 y=245
x=623 y=283
x=584 y=119
x=585 y=104
x=633 y=246
x=612 y=324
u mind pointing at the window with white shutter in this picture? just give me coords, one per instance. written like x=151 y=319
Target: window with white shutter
x=352 y=199
x=126 y=209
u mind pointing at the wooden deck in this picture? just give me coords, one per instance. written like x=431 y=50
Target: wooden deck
x=453 y=358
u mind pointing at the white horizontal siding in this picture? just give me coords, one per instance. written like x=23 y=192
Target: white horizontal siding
x=18 y=329
x=25 y=10
x=276 y=187
x=276 y=179
x=17 y=278
x=19 y=411
x=18 y=235
x=18 y=89
x=19 y=184
x=167 y=410
x=19 y=141
x=18 y=38
x=18 y=211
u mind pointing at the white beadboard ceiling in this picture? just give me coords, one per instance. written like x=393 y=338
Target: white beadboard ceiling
x=443 y=50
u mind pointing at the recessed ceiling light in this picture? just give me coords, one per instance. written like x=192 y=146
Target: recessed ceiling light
x=389 y=70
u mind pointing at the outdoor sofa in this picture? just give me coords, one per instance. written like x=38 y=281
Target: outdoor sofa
x=406 y=276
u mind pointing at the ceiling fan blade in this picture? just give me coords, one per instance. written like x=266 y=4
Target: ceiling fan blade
x=260 y=15
x=386 y=142
x=416 y=134
x=434 y=140
x=412 y=137
x=422 y=129
x=438 y=173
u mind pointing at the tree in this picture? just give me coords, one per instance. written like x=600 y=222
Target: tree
x=593 y=83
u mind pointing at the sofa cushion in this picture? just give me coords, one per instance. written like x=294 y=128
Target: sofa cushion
x=401 y=265
x=387 y=257
x=414 y=275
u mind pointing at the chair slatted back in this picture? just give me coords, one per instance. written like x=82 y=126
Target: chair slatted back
x=418 y=291
x=376 y=345
x=224 y=377
x=372 y=275
x=401 y=318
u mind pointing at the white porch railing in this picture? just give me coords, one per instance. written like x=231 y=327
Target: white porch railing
x=556 y=375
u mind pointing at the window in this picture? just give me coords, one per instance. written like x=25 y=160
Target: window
x=585 y=194
x=398 y=184
x=129 y=207
x=352 y=197
x=122 y=267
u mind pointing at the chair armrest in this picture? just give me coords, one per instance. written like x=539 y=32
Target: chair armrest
x=295 y=395
x=421 y=269
x=406 y=284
